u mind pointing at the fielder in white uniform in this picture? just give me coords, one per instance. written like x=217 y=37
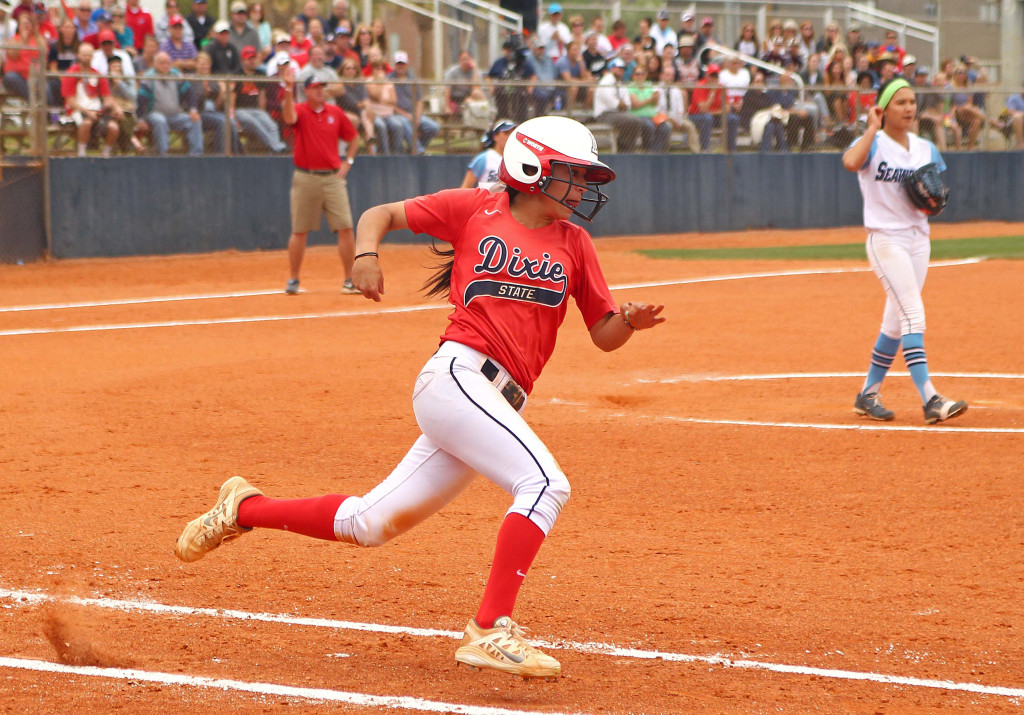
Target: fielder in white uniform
x=482 y=172
x=898 y=246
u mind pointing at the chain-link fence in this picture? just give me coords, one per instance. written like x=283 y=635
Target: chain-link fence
x=150 y=111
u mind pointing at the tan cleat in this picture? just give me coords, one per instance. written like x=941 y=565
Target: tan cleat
x=207 y=532
x=504 y=648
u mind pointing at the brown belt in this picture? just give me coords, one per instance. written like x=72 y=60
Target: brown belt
x=317 y=172
x=512 y=392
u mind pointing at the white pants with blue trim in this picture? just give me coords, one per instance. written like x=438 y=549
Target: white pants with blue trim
x=900 y=260
x=468 y=428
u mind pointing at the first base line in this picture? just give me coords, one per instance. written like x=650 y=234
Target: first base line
x=371 y=311
x=22 y=598
x=395 y=702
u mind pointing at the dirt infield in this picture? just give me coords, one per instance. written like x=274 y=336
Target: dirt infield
x=737 y=541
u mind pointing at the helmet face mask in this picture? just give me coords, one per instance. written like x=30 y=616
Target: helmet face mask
x=538 y=146
x=561 y=189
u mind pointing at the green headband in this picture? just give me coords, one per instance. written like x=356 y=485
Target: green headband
x=894 y=86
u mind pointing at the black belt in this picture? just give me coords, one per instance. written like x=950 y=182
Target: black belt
x=511 y=391
x=317 y=172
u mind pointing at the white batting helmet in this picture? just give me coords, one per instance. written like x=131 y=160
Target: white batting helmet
x=538 y=144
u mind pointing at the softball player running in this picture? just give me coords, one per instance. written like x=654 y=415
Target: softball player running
x=898 y=245
x=483 y=171
x=515 y=261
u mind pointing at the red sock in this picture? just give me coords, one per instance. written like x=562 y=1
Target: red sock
x=519 y=540
x=309 y=517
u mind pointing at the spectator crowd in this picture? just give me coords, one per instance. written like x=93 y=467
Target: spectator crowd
x=134 y=81
x=144 y=79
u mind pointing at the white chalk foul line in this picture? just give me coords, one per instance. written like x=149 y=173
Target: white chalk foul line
x=134 y=301
x=868 y=426
x=345 y=314
x=946 y=429
x=220 y=321
x=816 y=376
x=782 y=274
x=398 y=702
x=34 y=597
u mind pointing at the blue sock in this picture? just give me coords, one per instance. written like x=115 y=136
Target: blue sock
x=881 y=358
x=917 y=363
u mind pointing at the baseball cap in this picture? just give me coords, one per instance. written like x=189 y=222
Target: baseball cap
x=221 y=26
x=313 y=81
x=909 y=59
x=102 y=15
x=343 y=31
x=239 y=6
x=175 y=20
x=40 y=8
x=687 y=16
x=707 y=21
x=617 y=62
x=886 y=57
x=248 y=51
x=107 y=36
x=281 y=36
x=790 y=25
x=401 y=58
x=922 y=70
x=554 y=8
x=5 y=6
x=663 y=14
x=687 y=41
x=854 y=28
x=714 y=69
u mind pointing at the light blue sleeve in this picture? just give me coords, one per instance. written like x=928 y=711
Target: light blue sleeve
x=937 y=158
x=871 y=153
x=478 y=164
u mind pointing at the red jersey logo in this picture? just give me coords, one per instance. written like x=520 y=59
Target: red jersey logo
x=496 y=259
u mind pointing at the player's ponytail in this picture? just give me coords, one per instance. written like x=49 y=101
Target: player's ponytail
x=439 y=285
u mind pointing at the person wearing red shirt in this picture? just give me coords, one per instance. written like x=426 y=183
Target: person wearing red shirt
x=706 y=110
x=140 y=21
x=318 y=183
x=300 y=45
x=516 y=259
x=89 y=103
x=19 y=62
x=46 y=27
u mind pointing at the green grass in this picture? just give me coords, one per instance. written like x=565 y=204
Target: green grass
x=994 y=247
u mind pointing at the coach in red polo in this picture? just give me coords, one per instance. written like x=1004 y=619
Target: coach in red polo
x=318 y=183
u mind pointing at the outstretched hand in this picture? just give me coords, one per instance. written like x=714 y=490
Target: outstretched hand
x=288 y=75
x=641 y=316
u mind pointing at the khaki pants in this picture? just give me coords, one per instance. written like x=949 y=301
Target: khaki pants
x=316 y=194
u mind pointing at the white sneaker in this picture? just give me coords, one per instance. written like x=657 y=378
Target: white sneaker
x=504 y=648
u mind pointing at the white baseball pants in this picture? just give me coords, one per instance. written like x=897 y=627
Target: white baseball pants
x=900 y=260
x=468 y=429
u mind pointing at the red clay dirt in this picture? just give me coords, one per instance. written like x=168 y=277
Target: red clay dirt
x=690 y=531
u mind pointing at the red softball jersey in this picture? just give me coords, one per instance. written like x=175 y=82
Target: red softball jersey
x=511 y=284
x=317 y=135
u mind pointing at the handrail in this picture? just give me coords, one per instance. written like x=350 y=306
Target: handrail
x=729 y=52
